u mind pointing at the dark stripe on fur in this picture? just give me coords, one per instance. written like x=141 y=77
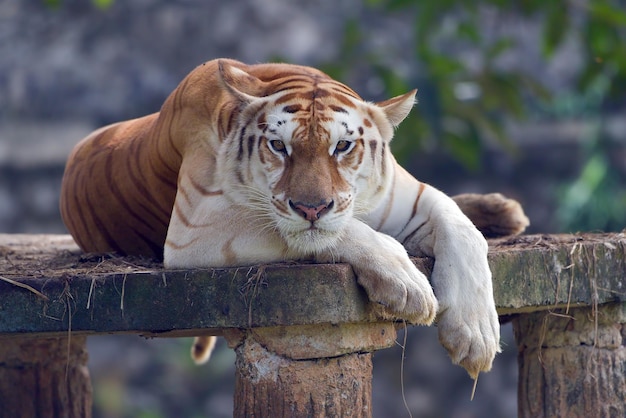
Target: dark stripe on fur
x=242 y=134
x=415 y=205
x=373 y=146
x=101 y=227
x=165 y=180
x=383 y=165
x=123 y=202
x=292 y=108
x=251 y=142
x=338 y=109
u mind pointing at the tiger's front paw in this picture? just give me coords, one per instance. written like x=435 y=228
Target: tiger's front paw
x=391 y=279
x=472 y=337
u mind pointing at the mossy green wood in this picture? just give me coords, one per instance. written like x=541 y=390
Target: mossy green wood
x=527 y=278
x=575 y=274
x=185 y=302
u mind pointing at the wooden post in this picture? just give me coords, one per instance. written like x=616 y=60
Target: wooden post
x=572 y=363
x=44 y=378
x=307 y=371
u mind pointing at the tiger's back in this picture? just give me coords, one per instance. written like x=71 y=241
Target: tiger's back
x=115 y=193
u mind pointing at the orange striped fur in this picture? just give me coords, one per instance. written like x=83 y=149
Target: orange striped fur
x=248 y=164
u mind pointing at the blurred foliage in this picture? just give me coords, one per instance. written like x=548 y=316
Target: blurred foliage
x=100 y=4
x=168 y=384
x=596 y=199
x=460 y=107
x=465 y=102
x=463 y=107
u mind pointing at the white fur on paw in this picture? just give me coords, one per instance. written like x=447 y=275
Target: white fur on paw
x=392 y=280
x=472 y=345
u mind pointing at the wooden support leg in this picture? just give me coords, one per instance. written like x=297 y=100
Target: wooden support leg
x=307 y=371
x=572 y=364
x=44 y=378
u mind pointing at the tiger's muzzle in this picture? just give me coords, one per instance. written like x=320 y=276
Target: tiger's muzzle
x=312 y=212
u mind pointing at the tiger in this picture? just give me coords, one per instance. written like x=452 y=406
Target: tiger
x=254 y=164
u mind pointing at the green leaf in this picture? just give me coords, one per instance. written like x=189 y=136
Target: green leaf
x=102 y=4
x=411 y=136
x=352 y=34
x=483 y=124
x=428 y=17
x=502 y=93
x=498 y=47
x=602 y=40
x=463 y=143
x=469 y=31
x=581 y=191
x=556 y=26
x=53 y=4
x=610 y=15
x=588 y=76
x=444 y=66
x=535 y=87
x=399 y=4
x=394 y=84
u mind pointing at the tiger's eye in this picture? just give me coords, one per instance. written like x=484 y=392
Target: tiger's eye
x=342 y=146
x=278 y=146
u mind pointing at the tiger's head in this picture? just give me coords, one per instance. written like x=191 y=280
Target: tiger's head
x=305 y=152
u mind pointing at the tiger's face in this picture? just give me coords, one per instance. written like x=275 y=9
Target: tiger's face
x=308 y=158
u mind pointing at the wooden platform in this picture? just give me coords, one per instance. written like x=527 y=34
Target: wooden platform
x=106 y=293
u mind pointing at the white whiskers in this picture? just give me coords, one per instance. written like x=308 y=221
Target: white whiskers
x=258 y=208
x=299 y=237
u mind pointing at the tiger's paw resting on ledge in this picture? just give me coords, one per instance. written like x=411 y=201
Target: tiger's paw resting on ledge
x=251 y=164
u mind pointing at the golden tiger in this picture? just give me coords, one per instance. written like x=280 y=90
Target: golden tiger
x=250 y=164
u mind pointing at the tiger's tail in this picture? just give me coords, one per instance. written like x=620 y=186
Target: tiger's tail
x=202 y=348
x=493 y=214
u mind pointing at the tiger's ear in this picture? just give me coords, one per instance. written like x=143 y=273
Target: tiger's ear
x=239 y=83
x=398 y=108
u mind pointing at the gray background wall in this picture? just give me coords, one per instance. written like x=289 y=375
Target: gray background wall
x=66 y=70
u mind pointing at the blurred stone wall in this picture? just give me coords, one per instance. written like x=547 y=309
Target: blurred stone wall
x=66 y=70
x=79 y=62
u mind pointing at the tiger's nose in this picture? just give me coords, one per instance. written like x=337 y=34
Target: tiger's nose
x=311 y=212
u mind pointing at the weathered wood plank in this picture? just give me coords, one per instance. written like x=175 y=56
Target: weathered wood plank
x=539 y=272
x=115 y=295
x=159 y=302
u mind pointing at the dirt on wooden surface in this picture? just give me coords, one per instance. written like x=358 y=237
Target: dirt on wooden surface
x=49 y=256
x=552 y=241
